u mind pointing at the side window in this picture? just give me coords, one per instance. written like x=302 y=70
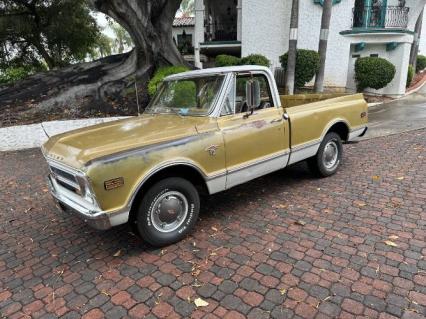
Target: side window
x=241 y=98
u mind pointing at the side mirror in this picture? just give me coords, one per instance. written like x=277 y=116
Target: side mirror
x=252 y=94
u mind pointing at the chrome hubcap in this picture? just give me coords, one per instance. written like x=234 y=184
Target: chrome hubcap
x=330 y=155
x=169 y=211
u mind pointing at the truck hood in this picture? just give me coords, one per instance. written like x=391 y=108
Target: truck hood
x=76 y=148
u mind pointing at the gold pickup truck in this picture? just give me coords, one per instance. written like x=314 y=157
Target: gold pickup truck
x=205 y=131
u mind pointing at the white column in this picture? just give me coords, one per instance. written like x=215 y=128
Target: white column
x=239 y=19
x=198 y=31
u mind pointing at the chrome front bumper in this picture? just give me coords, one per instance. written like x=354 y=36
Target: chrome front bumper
x=89 y=213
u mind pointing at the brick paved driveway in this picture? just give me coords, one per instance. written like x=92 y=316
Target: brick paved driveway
x=284 y=246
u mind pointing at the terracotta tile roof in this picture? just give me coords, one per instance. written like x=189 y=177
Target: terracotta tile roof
x=184 y=22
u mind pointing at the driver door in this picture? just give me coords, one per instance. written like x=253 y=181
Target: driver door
x=255 y=143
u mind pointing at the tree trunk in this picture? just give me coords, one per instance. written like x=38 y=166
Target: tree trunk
x=148 y=22
x=322 y=50
x=44 y=54
x=292 y=48
x=415 y=45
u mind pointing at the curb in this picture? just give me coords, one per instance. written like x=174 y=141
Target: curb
x=15 y=138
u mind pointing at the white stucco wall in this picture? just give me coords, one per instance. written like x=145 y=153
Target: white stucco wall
x=338 y=45
x=265 y=28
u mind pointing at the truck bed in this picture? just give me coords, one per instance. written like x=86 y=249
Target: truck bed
x=312 y=116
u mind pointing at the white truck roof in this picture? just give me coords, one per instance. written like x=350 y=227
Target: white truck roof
x=221 y=70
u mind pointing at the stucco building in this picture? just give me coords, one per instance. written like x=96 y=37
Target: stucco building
x=359 y=28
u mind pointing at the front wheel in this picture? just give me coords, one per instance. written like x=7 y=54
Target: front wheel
x=329 y=156
x=168 y=211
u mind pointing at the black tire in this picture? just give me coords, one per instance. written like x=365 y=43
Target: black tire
x=318 y=164
x=148 y=222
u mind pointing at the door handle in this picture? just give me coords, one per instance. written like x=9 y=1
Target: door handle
x=276 y=121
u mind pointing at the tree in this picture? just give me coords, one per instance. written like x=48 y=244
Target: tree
x=149 y=23
x=292 y=47
x=122 y=38
x=187 y=8
x=415 y=45
x=322 y=50
x=103 y=47
x=57 y=32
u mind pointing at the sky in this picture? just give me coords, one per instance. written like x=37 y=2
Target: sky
x=102 y=22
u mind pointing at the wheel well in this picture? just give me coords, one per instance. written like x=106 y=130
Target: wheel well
x=341 y=129
x=184 y=171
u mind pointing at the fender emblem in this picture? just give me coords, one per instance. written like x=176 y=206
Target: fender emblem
x=212 y=149
x=114 y=183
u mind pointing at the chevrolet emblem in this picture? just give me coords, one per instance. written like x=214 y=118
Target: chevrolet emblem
x=212 y=149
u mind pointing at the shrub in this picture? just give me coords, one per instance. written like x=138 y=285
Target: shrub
x=373 y=72
x=161 y=73
x=307 y=65
x=227 y=60
x=410 y=75
x=14 y=74
x=255 y=59
x=421 y=63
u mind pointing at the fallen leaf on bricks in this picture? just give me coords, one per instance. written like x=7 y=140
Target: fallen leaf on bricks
x=400 y=178
x=117 y=253
x=390 y=243
x=200 y=302
x=393 y=237
x=300 y=222
x=214 y=228
x=375 y=177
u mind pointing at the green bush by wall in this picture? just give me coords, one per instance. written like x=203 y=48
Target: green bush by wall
x=373 y=72
x=421 y=63
x=256 y=59
x=307 y=65
x=252 y=59
x=227 y=60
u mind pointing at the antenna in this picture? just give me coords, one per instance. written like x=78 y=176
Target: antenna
x=137 y=97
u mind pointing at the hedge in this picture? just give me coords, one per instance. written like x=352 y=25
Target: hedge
x=373 y=72
x=421 y=63
x=307 y=65
x=227 y=60
x=410 y=75
x=161 y=73
x=252 y=59
x=255 y=59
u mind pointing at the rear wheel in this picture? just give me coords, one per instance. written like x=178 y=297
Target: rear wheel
x=168 y=211
x=329 y=156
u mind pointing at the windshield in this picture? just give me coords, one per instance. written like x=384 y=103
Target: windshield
x=194 y=96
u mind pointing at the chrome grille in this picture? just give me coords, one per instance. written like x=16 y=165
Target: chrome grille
x=63 y=174
x=65 y=179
